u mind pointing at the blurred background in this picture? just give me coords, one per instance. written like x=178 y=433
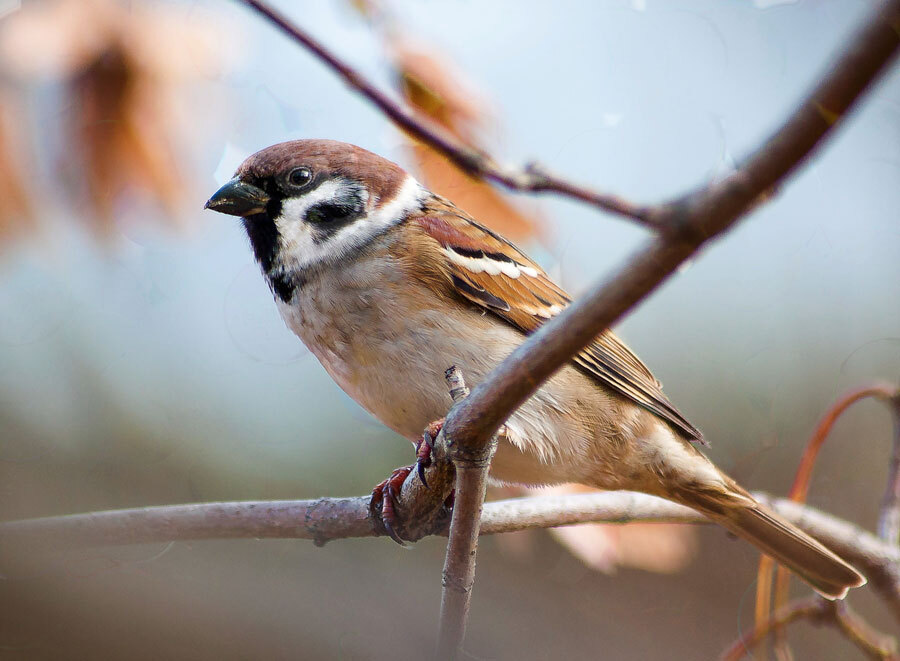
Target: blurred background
x=143 y=362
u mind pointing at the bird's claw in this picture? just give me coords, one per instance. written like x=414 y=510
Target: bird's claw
x=425 y=446
x=386 y=492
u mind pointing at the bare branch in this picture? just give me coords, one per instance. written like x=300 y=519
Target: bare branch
x=531 y=178
x=808 y=608
x=873 y=643
x=459 y=565
x=890 y=395
x=819 y=611
x=327 y=519
x=889 y=512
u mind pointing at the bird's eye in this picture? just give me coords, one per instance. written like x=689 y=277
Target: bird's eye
x=300 y=177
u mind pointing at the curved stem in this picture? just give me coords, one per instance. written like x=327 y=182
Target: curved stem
x=800 y=489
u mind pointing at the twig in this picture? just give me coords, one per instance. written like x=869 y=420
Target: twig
x=885 y=392
x=819 y=611
x=808 y=608
x=531 y=178
x=889 y=512
x=800 y=488
x=872 y=643
x=459 y=565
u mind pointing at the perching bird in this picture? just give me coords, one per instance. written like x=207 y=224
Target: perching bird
x=388 y=285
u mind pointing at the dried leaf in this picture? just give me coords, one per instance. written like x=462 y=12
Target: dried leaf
x=16 y=206
x=442 y=95
x=120 y=66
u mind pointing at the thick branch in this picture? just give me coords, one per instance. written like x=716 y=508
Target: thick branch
x=697 y=218
x=530 y=178
x=326 y=519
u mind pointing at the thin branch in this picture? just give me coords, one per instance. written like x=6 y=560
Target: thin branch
x=837 y=614
x=873 y=643
x=884 y=392
x=808 y=608
x=458 y=576
x=531 y=178
x=889 y=512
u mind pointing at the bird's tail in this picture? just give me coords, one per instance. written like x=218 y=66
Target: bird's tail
x=740 y=513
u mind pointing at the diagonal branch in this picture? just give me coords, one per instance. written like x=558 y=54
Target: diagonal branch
x=694 y=219
x=531 y=178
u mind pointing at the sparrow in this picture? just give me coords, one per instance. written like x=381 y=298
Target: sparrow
x=389 y=284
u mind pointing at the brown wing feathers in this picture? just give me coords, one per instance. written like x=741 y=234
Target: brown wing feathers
x=492 y=273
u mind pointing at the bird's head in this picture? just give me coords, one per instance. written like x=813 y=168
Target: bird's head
x=309 y=203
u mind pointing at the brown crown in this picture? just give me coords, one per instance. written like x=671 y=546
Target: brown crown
x=381 y=177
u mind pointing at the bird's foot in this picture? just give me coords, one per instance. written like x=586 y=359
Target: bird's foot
x=385 y=493
x=424 y=447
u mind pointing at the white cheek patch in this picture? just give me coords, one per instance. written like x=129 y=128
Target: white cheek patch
x=409 y=197
x=489 y=265
x=299 y=247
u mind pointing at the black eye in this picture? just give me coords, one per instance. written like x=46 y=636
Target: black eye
x=300 y=177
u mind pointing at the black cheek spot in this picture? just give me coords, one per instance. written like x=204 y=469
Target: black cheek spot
x=330 y=216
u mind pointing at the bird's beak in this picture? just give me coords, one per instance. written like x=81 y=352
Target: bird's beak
x=238 y=198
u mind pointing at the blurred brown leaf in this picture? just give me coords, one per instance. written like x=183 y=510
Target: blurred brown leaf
x=16 y=207
x=118 y=64
x=434 y=90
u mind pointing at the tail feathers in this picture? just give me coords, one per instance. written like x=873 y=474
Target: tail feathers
x=827 y=573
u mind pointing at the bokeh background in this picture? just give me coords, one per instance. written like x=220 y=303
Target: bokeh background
x=142 y=360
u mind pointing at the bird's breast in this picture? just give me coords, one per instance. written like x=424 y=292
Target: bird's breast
x=388 y=348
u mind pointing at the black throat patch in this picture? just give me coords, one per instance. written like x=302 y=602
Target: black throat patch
x=264 y=238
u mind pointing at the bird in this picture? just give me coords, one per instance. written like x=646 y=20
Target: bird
x=388 y=284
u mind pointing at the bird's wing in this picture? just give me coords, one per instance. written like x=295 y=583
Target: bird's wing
x=489 y=271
